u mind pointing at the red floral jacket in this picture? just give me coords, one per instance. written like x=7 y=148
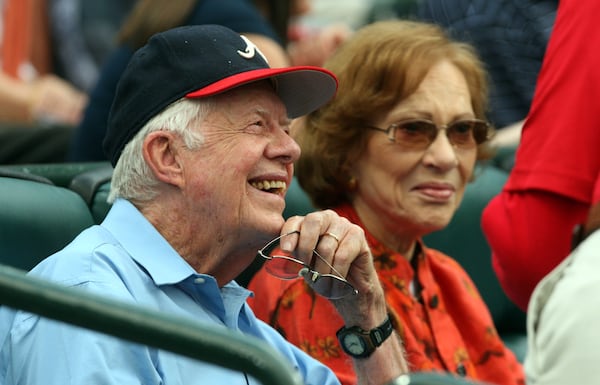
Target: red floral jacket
x=448 y=328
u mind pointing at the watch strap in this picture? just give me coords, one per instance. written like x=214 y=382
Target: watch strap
x=372 y=338
x=381 y=332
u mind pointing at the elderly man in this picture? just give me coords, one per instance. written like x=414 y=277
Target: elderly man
x=199 y=137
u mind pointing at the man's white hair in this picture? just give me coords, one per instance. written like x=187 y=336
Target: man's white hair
x=132 y=179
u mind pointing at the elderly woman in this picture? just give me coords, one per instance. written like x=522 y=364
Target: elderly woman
x=393 y=153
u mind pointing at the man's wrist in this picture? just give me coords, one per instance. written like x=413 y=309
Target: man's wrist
x=360 y=343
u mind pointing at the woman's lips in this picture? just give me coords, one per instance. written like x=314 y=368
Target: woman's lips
x=436 y=191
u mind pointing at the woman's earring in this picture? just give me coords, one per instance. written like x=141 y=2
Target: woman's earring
x=352 y=184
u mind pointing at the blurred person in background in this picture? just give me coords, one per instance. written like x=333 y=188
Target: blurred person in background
x=147 y=18
x=266 y=23
x=529 y=225
x=30 y=92
x=83 y=35
x=511 y=38
x=50 y=55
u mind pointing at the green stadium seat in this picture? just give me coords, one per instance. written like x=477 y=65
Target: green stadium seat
x=37 y=219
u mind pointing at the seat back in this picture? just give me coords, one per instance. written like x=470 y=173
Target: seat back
x=60 y=174
x=99 y=205
x=93 y=186
x=37 y=219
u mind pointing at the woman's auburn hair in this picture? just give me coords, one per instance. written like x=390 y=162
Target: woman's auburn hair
x=380 y=65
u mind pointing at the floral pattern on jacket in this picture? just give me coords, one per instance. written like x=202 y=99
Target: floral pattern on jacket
x=447 y=326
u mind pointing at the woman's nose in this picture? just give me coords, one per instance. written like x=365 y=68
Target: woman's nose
x=441 y=153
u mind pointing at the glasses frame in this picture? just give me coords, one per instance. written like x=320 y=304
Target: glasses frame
x=391 y=131
x=310 y=275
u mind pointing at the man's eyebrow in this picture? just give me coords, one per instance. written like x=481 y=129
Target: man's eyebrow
x=285 y=121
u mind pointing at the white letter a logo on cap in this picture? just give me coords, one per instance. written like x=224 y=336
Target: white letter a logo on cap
x=250 y=50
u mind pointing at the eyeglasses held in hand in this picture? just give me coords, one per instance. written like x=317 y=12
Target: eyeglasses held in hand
x=284 y=264
x=418 y=134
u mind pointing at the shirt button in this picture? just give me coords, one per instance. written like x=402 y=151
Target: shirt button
x=199 y=281
x=461 y=370
x=433 y=302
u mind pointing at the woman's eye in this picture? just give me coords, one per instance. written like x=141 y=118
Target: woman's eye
x=418 y=128
x=462 y=127
x=414 y=127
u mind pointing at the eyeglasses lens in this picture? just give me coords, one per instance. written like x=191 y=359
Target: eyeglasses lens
x=461 y=134
x=421 y=133
x=283 y=265
x=416 y=134
x=286 y=265
x=481 y=132
x=330 y=286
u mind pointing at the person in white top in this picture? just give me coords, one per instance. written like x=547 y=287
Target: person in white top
x=563 y=312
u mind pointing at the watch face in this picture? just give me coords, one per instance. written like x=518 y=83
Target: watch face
x=353 y=344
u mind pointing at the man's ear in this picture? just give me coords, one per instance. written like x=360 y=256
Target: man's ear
x=161 y=153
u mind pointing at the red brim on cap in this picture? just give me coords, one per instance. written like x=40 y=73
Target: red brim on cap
x=302 y=89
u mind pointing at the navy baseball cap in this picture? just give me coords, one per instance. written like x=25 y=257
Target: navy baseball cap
x=199 y=61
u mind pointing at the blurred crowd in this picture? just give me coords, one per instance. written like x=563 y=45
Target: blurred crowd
x=54 y=57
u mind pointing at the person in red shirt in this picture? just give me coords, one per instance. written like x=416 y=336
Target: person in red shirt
x=549 y=191
x=393 y=153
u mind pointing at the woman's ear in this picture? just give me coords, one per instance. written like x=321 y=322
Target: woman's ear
x=161 y=153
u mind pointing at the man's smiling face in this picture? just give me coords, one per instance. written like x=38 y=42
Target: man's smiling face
x=245 y=164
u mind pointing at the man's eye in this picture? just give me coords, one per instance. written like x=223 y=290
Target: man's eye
x=256 y=127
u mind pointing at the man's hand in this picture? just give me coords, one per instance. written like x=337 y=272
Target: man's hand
x=344 y=246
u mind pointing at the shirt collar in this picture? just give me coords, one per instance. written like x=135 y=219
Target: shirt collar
x=145 y=244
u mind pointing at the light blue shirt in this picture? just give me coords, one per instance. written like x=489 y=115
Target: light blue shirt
x=127 y=259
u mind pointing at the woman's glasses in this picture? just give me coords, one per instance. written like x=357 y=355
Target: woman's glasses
x=284 y=264
x=418 y=134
